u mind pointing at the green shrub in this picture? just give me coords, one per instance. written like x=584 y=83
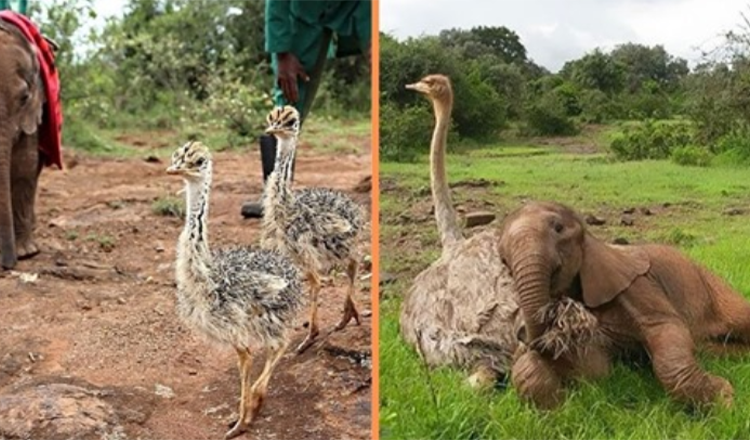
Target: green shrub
x=406 y=133
x=691 y=155
x=549 y=117
x=78 y=134
x=651 y=140
x=733 y=148
x=596 y=107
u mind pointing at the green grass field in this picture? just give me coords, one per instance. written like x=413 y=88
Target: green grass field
x=688 y=206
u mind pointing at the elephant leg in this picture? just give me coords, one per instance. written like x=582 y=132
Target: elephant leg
x=25 y=170
x=733 y=321
x=672 y=352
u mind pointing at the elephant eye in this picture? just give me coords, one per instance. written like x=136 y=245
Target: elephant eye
x=557 y=226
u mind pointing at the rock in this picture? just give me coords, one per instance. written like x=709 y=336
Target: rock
x=621 y=241
x=627 y=220
x=55 y=411
x=163 y=391
x=367 y=263
x=479 y=218
x=152 y=159
x=364 y=186
x=594 y=220
x=733 y=211
x=628 y=211
x=159 y=247
x=646 y=211
x=387 y=278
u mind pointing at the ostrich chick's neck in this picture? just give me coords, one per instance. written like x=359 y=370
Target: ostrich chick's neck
x=278 y=194
x=193 y=255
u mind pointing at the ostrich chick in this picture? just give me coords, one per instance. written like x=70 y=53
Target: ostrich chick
x=241 y=297
x=317 y=227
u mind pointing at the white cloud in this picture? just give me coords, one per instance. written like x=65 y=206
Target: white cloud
x=555 y=31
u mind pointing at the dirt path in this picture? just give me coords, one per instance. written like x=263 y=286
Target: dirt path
x=95 y=340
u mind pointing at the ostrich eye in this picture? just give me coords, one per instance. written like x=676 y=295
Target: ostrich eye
x=200 y=162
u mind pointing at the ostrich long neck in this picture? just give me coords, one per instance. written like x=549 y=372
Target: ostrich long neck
x=445 y=215
x=194 y=256
x=278 y=194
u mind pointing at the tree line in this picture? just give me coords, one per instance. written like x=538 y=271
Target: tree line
x=171 y=63
x=690 y=115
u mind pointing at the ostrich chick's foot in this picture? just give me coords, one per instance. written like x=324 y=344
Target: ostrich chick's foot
x=309 y=339
x=237 y=429
x=350 y=312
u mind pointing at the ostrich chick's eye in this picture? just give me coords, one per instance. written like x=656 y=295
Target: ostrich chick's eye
x=200 y=162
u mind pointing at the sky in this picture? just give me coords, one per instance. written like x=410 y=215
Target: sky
x=556 y=31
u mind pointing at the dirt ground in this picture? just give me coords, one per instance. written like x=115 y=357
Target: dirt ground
x=90 y=346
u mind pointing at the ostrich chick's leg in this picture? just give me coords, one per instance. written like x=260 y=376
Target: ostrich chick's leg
x=350 y=310
x=244 y=364
x=257 y=394
x=314 y=280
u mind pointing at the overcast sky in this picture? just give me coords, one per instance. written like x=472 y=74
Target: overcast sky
x=555 y=31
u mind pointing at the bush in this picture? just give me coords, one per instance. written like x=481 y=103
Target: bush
x=549 y=117
x=733 y=148
x=691 y=155
x=596 y=107
x=651 y=140
x=406 y=133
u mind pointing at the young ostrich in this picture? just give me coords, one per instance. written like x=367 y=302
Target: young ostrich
x=317 y=227
x=242 y=297
x=463 y=310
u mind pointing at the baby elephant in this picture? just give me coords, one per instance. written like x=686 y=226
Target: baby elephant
x=646 y=297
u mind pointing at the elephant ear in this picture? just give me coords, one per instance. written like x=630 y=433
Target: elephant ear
x=31 y=112
x=606 y=270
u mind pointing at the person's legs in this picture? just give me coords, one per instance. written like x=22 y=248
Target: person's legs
x=314 y=67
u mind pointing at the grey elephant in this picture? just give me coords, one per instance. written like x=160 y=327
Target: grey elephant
x=647 y=299
x=22 y=104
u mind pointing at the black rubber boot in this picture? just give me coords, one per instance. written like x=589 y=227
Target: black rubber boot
x=267 y=160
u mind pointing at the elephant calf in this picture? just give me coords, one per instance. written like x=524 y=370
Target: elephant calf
x=647 y=297
x=30 y=119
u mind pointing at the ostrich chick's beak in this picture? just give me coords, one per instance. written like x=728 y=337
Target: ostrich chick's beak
x=174 y=170
x=279 y=132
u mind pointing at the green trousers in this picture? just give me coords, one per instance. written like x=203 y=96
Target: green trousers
x=20 y=6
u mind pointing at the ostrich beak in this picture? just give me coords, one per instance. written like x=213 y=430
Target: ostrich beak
x=417 y=86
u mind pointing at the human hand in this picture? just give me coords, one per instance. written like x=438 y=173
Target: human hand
x=289 y=70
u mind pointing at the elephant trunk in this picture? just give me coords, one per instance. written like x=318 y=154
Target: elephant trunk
x=7 y=234
x=531 y=274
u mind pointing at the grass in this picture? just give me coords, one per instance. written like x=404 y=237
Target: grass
x=630 y=404
x=169 y=207
x=322 y=133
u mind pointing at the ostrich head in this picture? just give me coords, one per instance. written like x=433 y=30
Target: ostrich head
x=283 y=122
x=191 y=161
x=436 y=87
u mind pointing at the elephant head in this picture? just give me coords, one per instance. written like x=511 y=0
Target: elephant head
x=550 y=254
x=21 y=101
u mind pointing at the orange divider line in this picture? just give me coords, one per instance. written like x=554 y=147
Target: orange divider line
x=375 y=229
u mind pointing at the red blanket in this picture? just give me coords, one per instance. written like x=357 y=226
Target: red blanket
x=49 y=132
